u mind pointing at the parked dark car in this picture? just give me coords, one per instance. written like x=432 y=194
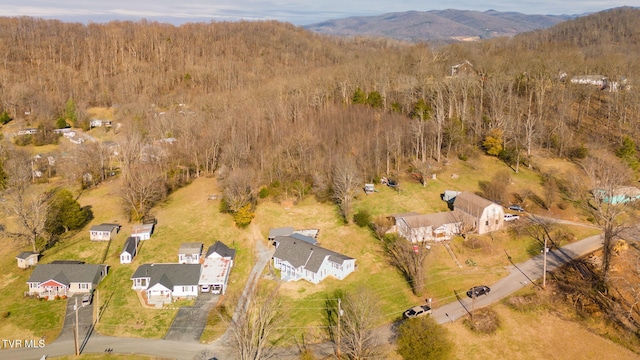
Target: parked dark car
x=417 y=311
x=516 y=208
x=478 y=290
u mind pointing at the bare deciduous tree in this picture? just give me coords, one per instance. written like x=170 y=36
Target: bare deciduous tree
x=256 y=327
x=353 y=318
x=142 y=187
x=409 y=259
x=606 y=200
x=346 y=183
x=30 y=209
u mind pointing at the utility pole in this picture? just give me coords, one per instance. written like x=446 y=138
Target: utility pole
x=544 y=265
x=76 y=329
x=338 y=354
x=96 y=304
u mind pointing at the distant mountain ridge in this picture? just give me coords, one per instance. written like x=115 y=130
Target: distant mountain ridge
x=438 y=25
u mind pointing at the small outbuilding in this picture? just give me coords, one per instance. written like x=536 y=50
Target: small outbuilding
x=103 y=232
x=130 y=250
x=143 y=231
x=27 y=259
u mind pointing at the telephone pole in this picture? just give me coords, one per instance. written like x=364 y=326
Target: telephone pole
x=338 y=354
x=76 y=329
x=544 y=266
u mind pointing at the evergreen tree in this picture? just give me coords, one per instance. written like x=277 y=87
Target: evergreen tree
x=359 y=97
x=70 y=114
x=65 y=213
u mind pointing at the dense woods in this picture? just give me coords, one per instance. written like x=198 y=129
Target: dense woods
x=267 y=104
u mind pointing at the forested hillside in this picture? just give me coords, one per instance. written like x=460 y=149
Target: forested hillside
x=267 y=103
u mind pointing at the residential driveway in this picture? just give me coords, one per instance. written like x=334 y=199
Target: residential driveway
x=190 y=321
x=85 y=320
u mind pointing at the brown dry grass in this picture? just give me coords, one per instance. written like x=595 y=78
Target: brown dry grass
x=533 y=335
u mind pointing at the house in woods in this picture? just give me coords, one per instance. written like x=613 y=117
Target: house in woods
x=130 y=250
x=28 y=131
x=164 y=283
x=619 y=195
x=143 y=231
x=463 y=68
x=99 y=123
x=478 y=213
x=65 y=279
x=428 y=227
x=27 y=259
x=190 y=253
x=286 y=231
x=216 y=268
x=298 y=260
x=103 y=232
x=369 y=188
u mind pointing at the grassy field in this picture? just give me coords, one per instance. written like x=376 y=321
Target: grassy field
x=540 y=334
x=188 y=216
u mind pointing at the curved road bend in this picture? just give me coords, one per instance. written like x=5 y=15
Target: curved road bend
x=521 y=274
x=220 y=348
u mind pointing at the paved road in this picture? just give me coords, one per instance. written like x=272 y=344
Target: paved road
x=521 y=275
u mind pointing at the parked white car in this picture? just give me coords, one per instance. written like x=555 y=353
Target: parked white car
x=511 y=217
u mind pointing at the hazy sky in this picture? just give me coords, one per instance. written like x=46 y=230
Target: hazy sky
x=299 y=12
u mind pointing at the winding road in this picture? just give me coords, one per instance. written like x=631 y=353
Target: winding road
x=521 y=275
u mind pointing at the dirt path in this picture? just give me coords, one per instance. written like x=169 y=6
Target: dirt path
x=263 y=256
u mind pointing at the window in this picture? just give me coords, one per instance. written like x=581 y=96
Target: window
x=83 y=286
x=486 y=223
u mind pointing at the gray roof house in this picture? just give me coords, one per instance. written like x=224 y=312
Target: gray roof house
x=190 y=253
x=165 y=283
x=27 y=259
x=478 y=213
x=220 y=250
x=427 y=227
x=103 y=232
x=51 y=280
x=297 y=259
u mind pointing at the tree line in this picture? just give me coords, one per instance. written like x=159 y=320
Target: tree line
x=266 y=105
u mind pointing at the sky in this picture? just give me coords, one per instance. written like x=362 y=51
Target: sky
x=297 y=12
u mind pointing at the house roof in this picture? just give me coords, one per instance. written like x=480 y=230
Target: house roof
x=173 y=274
x=433 y=220
x=302 y=254
x=221 y=249
x=67 y=273
x=471 y=203
x=130 y=245
x=142 y=228
x=105 y=227
x=403 y=215
x=26 y=254
x=283 y=231
x=307 y=239
x=214 y=271
x=190 y=248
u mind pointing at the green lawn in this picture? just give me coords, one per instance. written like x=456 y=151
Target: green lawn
x=188 y=216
